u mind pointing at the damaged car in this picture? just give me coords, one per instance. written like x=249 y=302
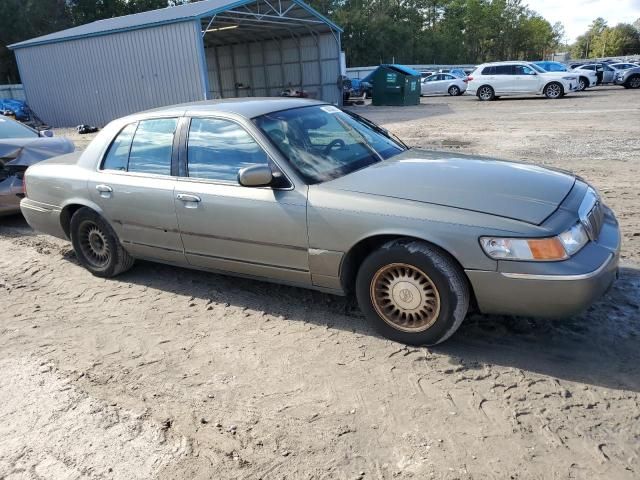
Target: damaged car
x=21 y=147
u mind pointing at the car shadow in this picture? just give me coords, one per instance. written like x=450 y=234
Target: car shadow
x=599 y=347
x=14 y=224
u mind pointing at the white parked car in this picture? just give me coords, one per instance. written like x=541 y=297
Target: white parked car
x=623 y=66
x=605 y=73
x=586 y=78
x=442 y=84
x=493 y=80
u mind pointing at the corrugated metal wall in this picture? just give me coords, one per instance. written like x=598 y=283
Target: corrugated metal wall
x=96 y=79
x=266 y=68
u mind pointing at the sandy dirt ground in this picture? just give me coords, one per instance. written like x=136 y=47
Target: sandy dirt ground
x=166 y=373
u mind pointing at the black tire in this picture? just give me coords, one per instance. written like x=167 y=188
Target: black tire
x=421 y=268
x=553 y=91
x=584 y=83
x=633 y=82
x=97 y=246
x=486 y=93
x=454 y=91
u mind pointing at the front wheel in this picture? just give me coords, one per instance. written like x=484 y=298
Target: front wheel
x=97 y=246
x=553 y=91
x=583 y=84
x=486 y=93
x=412 y=292
x=454 y=91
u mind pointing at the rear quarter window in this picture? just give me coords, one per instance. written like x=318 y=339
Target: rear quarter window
x=117 y=156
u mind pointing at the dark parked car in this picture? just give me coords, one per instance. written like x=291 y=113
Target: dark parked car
x=20 y=147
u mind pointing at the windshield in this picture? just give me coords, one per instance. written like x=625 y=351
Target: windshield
x=322 y=142
x=537 y=68
x=11 y=129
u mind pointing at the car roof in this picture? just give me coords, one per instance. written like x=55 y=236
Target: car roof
x=246 y=107
x=507 y=62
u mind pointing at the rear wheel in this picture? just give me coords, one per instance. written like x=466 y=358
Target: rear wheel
x=633 y=81
x=412 y=292
x=96 y=245
x=553 y=91
x=454 y=91
x=486 y=93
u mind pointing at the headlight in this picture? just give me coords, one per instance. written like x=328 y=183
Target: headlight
x=536 y=249
x=574 y=239
x=570 y=79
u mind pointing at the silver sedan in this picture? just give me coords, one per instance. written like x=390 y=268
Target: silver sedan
x=443 y=84
x=303 y=193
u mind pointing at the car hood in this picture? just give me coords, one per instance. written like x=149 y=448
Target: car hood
x=23 y=152
x=507 y=189
x=562 y=74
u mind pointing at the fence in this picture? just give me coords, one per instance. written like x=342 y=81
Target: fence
x=14 y=92
x=361 y=72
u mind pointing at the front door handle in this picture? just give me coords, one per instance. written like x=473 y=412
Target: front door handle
x=185 y=197
x=104 y=190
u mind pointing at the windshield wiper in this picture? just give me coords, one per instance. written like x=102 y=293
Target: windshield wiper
x=377 y=128
x=363 y=141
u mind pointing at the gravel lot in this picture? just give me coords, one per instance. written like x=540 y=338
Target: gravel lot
x=172 y=374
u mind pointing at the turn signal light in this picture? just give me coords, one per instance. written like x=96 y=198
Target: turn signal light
x=547 y=249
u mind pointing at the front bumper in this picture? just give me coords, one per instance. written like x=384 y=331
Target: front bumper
x=572 y=85
x=566 y=288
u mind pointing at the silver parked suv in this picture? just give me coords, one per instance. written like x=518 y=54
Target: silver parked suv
x=628 y=78
x=493 y=80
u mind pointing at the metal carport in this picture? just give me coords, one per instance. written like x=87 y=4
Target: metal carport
x=203 y=50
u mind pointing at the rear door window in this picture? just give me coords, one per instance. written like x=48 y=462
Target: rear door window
x=504 y=70
x=152 y=146
x=143 y=147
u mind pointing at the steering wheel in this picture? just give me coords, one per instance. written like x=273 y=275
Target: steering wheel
x=338 y=142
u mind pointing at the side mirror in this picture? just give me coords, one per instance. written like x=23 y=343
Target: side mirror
x=46 y=133
x=255 y=176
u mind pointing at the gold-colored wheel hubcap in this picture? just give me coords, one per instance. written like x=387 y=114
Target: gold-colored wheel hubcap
x=405 y=297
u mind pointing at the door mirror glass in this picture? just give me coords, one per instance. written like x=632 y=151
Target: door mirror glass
x=46 y=133
x=255 y=176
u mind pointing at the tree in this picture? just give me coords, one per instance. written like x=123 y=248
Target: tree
x=603 y=41
x=375 y=31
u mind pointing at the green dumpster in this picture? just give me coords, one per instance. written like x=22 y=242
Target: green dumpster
x=396 y=85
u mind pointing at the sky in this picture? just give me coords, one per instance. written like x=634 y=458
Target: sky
x=576 y=15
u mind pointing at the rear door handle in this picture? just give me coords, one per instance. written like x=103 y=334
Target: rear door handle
x=104 y=190
x=185 y=197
